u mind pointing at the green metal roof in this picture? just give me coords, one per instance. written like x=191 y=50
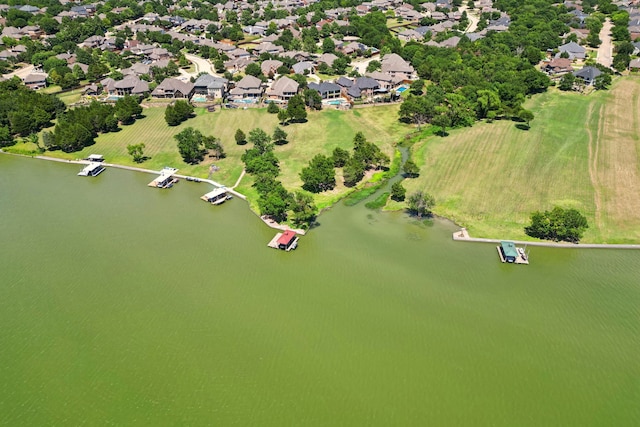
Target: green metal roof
x=509 y=249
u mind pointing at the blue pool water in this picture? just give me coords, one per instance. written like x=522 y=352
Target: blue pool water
x=401 y=89
x=335 y=102
x=199 y=98
x=113 y=97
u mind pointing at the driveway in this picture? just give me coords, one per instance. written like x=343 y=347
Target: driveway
x=22 y=72
x=473 y=18
x=605 y=51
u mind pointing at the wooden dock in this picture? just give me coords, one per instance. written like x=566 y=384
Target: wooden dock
x=519 y=260
x=274 y=243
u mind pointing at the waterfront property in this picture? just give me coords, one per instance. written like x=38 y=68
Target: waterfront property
x=166 y=178
x=92 y=169
x=217 y=196
x=508 y=252
x=286 y=241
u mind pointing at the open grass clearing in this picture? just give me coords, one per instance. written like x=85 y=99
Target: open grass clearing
x=324 y=131
x=580 y=152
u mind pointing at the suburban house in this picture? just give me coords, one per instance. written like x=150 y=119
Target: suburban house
x=326 y=58
x=35 y=81
x=130 y=85
x=393 y=64
x=408 y=35
x=214 y=87
x=270 y=67
x=573 y=49
x=303 y=67
x=587 y=75
x=173 y=88
x=557 y=66
x=361 y=88
x=249 y=87
x=283 y=89
x=326 y=90
x=385 y=80
x=634 y=65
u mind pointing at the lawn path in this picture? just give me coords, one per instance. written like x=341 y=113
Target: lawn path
x=593 y=159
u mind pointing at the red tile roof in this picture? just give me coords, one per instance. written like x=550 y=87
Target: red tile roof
x=287 y=237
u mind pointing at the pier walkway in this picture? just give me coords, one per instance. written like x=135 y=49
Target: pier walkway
x=463 y=235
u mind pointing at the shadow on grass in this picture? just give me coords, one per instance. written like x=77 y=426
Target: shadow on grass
x=522 y=126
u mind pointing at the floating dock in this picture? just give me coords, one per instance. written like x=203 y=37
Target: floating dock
x=286 y=241
x=217 y=196
x=92 y=169
x=508 y=252
x=166 y=178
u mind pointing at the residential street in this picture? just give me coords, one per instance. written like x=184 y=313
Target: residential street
x=473 y=19
x=22 y=72
x=605 y=51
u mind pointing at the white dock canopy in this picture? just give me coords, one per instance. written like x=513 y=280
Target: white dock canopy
x=91 y=169
x=215 y=193
x=95 y=158
x=165 y=174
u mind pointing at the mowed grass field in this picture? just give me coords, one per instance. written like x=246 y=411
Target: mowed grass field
x=323 y=131
x=581 y=152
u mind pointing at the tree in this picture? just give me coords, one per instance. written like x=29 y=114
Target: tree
x=253 y=69
x=374 y=66
x=283 y=116
x=411 y=169
x=137 y=152
x=320 y=175
x=272 y=108
x=416 y=88
x=353 y=171
x=191 y=145
x=420 y=203
x=178 y=113
x=340 y=157
x=5 y=137
x=526 y=116
x=240 y=137
x=312 y=99
x=296 y=109
x=603 y=81
x=214 y=146
x=328 y=46
x=127 y=109
x=260 y=140
x=558 y=225
x=304 y=210
x=398 y=191
x=443 y=121
x=567 y=81
x=279 y=136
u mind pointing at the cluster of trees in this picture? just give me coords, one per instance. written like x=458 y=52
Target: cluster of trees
x=193 y=146
x=320 y=175
x=557 y=224
x=274 y=200
x=295 y=112
x=76 y=128
x=23 y=111
x=420 y=203
x=178 y=112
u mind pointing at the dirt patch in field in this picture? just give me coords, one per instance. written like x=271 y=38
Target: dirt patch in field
x=617 y=159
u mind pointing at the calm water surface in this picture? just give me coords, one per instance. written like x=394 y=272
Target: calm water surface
x=125 y=305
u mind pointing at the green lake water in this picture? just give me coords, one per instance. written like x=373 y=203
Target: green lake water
x=126 y=305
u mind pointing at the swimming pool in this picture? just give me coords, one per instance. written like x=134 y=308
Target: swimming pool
x=334 y=102
x=401 y=89
x=113 y=97
x=199 y=98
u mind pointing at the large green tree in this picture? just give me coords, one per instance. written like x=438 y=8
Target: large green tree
x=320 y=175
x=191 y=145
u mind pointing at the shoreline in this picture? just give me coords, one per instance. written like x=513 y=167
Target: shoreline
x=463 y=236
x=270 y=223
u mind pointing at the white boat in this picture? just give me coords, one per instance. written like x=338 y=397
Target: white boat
x=92 y=169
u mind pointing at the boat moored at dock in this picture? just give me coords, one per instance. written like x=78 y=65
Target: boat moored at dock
x=508 y=252
x=92 y=169
x=166 y=178
x=217 y=196
x=286 y=241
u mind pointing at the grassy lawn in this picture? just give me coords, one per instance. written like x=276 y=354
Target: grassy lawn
x=580 y=152
x=324 y=131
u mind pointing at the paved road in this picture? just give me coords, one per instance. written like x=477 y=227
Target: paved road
x=473 y=18
x=22 y=72
x=605 y=51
